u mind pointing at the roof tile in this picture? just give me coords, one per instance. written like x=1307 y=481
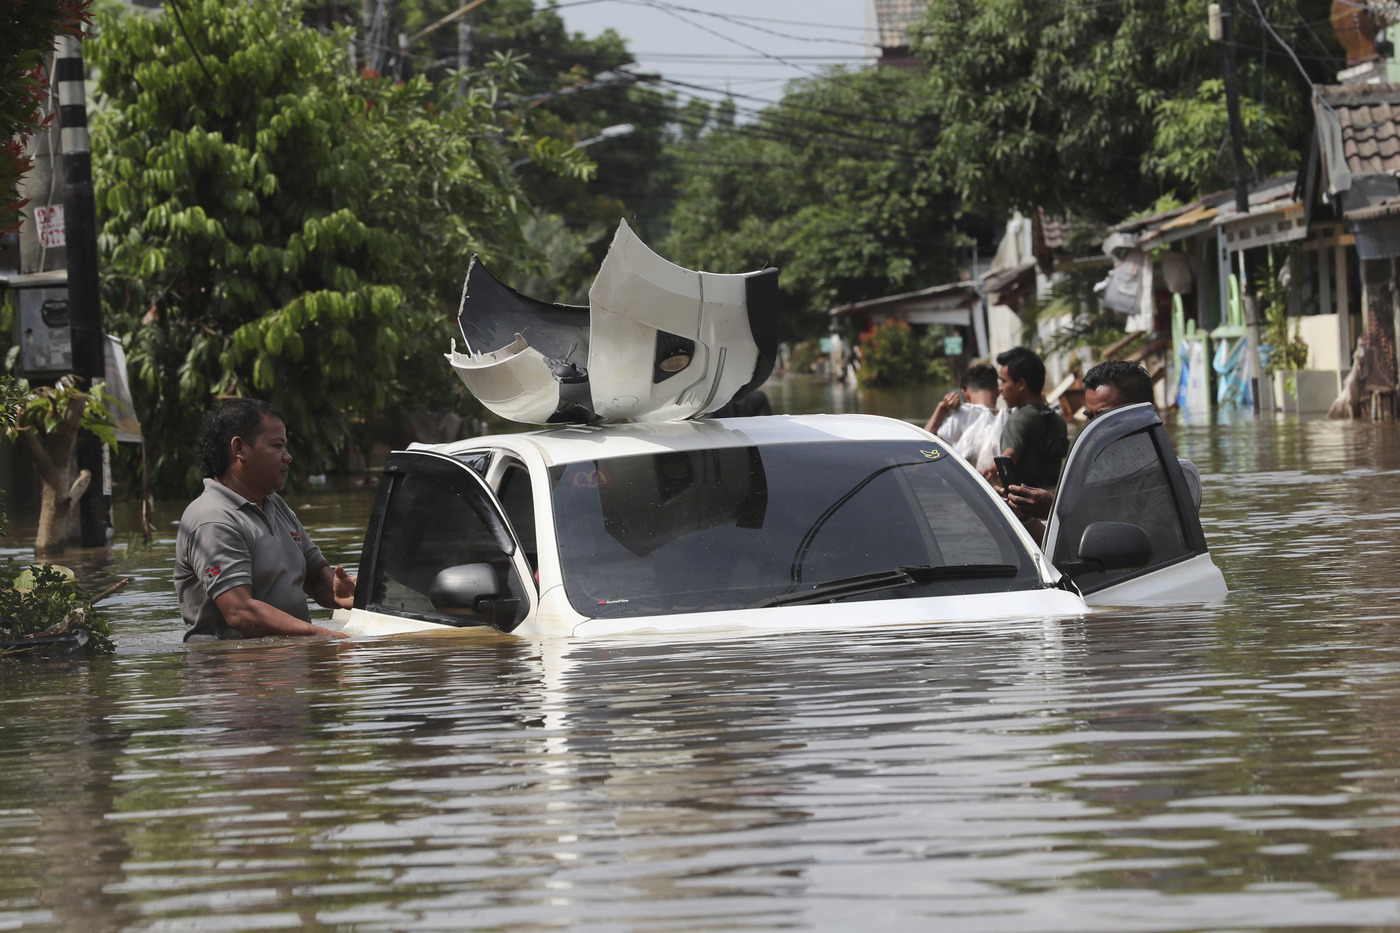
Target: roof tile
x=1369 y=114
x=893 y=18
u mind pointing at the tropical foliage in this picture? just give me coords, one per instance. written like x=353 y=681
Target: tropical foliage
x=46 y=422
x=573 y=86
x=42 y=612
x=833 y=186
x=274 y=224
x=891 y=354
x=1097 y=109
x=42 y=598
x=1284 y=348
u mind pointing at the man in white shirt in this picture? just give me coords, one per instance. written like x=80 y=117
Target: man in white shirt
x=970 y=420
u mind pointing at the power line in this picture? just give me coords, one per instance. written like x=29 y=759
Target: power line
x=1279 y=39
x=738 y=19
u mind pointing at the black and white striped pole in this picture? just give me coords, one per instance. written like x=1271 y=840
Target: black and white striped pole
x=84 y=300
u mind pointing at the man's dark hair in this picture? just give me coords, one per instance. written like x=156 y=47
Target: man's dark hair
x=1129 y=378
x=238 y=417
x=980 y=376
x=1022 y=363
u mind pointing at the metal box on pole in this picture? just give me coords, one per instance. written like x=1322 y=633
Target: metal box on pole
x=42 y=328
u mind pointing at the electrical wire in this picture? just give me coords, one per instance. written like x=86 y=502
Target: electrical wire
x=738 y=19
x=1279 y=39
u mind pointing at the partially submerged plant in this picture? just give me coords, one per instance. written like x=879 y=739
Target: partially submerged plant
x=1287 y=351
x=45 y=422
x=891 y=355
x=42 y=613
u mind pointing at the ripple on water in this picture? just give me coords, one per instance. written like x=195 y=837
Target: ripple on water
x=1226 y=767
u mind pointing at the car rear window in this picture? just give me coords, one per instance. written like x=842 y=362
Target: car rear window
x=726 y=528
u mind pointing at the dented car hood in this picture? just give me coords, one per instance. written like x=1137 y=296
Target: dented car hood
x=656 y=342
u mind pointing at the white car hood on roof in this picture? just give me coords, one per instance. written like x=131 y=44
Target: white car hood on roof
x=657 y=342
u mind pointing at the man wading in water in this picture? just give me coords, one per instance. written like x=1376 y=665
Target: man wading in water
x=244 y=565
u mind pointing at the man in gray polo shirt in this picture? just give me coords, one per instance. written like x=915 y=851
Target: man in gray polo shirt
x=244 y=565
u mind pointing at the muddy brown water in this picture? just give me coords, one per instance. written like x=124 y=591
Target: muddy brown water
x=1232 y=767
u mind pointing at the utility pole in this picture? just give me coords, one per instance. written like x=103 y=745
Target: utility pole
x=1232 y=102
x=84 y=300
x=1223 y=14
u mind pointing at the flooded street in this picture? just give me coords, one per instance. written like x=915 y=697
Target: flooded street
x=1234 y=767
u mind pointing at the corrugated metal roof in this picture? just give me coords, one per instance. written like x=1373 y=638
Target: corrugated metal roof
x=954 y=292
x=1368 y=115
x=1264 y=197
x=893 y=18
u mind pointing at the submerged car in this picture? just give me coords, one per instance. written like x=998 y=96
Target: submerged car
x=777 y=522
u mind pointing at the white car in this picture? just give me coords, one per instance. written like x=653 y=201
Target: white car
x=779 y=522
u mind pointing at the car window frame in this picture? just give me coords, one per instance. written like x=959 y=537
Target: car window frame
x=459 y=473
x=1109 y=428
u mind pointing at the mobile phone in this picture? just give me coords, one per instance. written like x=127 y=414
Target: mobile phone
x=1006 y=469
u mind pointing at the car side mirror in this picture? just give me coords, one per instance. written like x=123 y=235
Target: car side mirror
x=473 y=592
x=1106 y=546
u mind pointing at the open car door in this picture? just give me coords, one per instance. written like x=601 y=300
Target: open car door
x=1125 y=525
x=439 y=550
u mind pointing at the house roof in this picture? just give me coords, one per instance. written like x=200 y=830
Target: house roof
x=1366 y=115
x=952 y=294
x=1265 y=197
x=892 y=20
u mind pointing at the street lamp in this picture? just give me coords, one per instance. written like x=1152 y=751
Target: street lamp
x=607 y=132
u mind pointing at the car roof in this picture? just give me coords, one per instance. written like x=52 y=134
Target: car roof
x=574 y=443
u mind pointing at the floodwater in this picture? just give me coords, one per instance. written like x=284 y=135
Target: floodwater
x=1233 y=767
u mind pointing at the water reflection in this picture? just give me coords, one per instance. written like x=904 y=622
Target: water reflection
x=1232 y=767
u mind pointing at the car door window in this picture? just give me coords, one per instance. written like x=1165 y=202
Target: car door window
x=518 y=502
x=430 y=519
x=1124 y=471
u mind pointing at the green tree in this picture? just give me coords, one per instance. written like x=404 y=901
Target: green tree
x=833 y=186
x=46 y=423
x=573 y=86
x=1098 y=109
x=41 y=610
x=274 y=224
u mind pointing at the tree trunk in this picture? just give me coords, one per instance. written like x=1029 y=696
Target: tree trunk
x=53 y=457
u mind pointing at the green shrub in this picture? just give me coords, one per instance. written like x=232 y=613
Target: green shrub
x=43 y=600
x=890 y=355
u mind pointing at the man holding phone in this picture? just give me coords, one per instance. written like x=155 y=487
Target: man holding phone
x=1109 y=385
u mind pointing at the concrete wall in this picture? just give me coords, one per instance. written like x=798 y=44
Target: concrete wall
x=1324 y=345
x=1307 y=391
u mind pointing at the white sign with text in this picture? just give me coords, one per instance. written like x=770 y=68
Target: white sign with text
x=51 y=230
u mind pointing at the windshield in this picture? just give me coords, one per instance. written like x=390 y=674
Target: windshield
x=731 y=528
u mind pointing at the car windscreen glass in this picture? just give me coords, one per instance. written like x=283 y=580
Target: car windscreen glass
x=730 y=528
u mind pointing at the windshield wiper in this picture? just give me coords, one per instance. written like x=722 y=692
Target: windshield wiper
x=863 y=583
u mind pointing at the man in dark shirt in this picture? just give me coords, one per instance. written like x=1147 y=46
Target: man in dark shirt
x=1109 y=385
x=1035 y=436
